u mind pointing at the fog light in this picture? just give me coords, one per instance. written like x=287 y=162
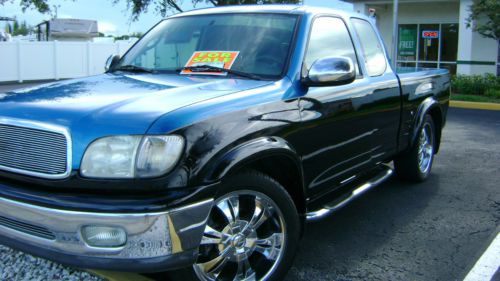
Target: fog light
x=104 y=236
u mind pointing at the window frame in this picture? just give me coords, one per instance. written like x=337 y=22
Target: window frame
x=304 y=70
x=362 y=47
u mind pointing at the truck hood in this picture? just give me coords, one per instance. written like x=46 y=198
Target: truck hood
x=123 y=103
x=113 y=104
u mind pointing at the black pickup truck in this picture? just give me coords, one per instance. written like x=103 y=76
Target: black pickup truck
x=211 y=142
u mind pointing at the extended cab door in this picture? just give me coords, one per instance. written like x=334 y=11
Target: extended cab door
x=341 y=134
x=383 y=88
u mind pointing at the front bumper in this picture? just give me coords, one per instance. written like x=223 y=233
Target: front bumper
x=155 y=241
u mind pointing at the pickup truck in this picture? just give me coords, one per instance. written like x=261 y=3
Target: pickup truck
x=206 y=148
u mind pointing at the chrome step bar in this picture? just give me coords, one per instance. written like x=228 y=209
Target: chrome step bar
x=358 y=191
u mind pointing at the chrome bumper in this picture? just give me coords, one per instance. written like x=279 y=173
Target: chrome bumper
x=54 y=233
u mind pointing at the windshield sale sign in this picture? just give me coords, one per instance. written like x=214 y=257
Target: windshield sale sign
x=219 y=59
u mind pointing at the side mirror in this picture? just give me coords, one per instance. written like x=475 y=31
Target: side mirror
x=331 y=71
x=111 y=62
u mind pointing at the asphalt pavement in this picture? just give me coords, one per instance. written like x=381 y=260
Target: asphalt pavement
x=399 y=231
x=435 y=230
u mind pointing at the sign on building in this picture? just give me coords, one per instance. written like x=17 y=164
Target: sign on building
x=407 y=41
x=430 y=34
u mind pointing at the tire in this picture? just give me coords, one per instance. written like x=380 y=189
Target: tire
x=416 y=164
x=250 y=247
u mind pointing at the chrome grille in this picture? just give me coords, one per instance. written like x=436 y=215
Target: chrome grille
x=33 y=151
x=27 y=228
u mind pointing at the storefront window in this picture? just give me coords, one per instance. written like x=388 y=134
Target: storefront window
x=452 y=67
x=429 y=42
x=407 y=48
x=428 y=45
x=406 y=64
x=428 y=65
x=449 y=42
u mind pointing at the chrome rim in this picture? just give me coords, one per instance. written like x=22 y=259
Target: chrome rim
x=244 y=238
x=425 y=148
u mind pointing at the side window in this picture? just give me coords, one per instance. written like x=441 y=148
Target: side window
x=329 y=37
x=372 y=48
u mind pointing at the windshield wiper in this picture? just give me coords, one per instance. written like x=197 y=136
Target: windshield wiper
x=210 y=68
x=134 y=68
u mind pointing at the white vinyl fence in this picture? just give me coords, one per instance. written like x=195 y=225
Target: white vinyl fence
x=23 y=61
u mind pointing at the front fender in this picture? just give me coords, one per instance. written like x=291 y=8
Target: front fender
x=250 y=151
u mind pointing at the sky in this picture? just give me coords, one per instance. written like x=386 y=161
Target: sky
x=113 y=19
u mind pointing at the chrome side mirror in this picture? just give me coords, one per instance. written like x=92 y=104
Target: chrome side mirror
x=331 y=71
x=111 y=62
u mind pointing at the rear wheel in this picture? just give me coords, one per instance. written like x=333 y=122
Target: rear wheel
x=252 y=231
x=416 y=164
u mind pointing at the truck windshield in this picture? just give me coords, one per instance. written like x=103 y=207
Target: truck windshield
x=255 y=44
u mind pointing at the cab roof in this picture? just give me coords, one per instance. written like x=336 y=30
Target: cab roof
x=271 y=8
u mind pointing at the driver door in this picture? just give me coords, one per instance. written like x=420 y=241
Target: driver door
x=336 y=119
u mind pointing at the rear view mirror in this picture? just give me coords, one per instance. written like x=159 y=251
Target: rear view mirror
x=111 y=62
x=331 y=71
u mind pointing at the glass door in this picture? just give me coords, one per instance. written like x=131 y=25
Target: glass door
x=449 y=47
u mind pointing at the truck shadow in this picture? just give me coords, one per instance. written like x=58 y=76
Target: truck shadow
x=333 y=249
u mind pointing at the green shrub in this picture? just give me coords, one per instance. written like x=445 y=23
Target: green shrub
x=493 y=93
x=475 y=84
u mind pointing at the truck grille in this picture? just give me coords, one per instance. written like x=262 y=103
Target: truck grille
x=27 y=228
x=33 y=151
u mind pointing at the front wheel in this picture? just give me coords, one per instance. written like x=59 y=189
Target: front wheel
x=251 y=233
x=416 y=164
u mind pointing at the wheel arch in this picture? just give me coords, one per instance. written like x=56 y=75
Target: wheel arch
x=429 y=106
x=272 y=156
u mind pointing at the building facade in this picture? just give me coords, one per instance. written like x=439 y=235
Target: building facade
x=434 y=34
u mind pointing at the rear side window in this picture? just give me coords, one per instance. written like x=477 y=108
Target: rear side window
x=329 y=37
x=372 y=47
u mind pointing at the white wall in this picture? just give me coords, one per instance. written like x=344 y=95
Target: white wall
x=473 y=47
x=413 y=13
x=21 y=61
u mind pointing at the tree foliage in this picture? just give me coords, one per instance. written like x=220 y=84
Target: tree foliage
x=127 y=37
x=41 y=5
x=485 y=18
x=18 y=28
x=163 y=7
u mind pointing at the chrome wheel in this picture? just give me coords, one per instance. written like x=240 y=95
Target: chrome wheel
x=244 y=238
x=425 y=148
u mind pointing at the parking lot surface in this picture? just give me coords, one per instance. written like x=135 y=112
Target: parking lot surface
x=430 y=231
x=399 y=231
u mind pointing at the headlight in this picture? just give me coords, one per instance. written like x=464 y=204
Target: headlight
x=131 y=156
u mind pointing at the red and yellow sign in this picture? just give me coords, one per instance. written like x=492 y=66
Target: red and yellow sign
x=430 y=34
x=223 y=59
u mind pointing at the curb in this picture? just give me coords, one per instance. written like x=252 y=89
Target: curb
x=475 y=105
x=119 y=276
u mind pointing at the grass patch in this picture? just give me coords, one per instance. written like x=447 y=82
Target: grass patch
x=474 y=98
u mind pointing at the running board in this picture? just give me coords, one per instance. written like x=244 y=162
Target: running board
x=358 y=191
